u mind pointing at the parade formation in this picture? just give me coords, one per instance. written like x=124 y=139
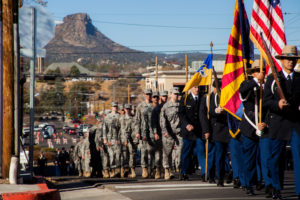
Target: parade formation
x=172 y=134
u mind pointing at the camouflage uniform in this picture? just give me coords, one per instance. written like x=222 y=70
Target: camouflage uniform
x=78 y=157
x=103 y=150
x=86 y=156
x=111 y=128
x=143 y=126
x=170 y=123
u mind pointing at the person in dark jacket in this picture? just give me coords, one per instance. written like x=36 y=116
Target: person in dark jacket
x=251 y=128
x=284 y=120
x=42 y=163
x=191 y=131
x=217 y=126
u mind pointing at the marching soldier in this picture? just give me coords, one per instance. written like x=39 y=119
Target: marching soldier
x=283 y=119
x=111 y=138
x=103 y=150
x=86 y=155
x=217 y=128
x=250 y=127
x=126 y=131
x=78 y=156
x=143 y=128
x=170 y=128
x=157 y=141
x=191 y=131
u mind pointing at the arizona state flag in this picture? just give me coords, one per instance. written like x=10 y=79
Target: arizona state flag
x=239 y=56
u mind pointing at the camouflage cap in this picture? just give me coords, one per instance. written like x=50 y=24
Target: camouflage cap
x=164 y=93
x=155 y=94
x=148 y=91
x=114 y=104
x=127 y=106
x=175 y=90
x=121 y=106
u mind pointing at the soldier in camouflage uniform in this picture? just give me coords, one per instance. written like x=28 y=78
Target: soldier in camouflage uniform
x=128 y=140
x=111 y=138
x=103 y=150
x=164 y=97
x=144 y=130
x=170 y=127
x=86 y=155
x=78 y=157
x=155 y=124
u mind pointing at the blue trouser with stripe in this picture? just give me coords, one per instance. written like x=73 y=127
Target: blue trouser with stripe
x=295 y=145
x=277 y=148
x=199 y=151
x=221 y=149
x=250 y=147
x=265 y=156
x=236 y=154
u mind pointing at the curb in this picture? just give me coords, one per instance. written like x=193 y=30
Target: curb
x=43 y=194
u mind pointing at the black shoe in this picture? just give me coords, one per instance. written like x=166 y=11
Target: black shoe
x=236 y=183
x=229 y=177
x=203 y=178
x=298 y=196
x=259 y=186
x=276 y=194
x=211 y=180
x=220 y=183
x=268 y=191
x=250 y=191
x=185 y=177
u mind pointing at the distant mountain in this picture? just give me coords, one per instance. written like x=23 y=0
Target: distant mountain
x=77 y=39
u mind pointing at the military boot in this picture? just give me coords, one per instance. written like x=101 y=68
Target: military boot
x=122 y=172
x=167 y=174
x=157 y=173
x=145 y=173
x=105 y=173
x=80 y=173
x=117 y=171
x=88 y=174
x=112 y=173
x=132 y=175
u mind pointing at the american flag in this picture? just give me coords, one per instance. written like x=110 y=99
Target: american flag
x=267 y=19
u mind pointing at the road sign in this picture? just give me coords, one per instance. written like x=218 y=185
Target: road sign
x=45 y=27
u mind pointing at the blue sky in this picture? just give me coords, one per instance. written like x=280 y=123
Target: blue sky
x=206 y=20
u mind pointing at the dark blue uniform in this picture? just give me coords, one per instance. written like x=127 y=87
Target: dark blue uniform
x=192 y=140
x=284 y=125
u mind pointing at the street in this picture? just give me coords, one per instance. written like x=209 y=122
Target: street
x=147 y=189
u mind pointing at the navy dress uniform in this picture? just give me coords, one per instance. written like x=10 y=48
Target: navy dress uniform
x=249 y=91
x=284 y=121
x=218 y=127
x=192 y=139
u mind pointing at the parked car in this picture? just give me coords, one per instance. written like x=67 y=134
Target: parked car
x=72 y=131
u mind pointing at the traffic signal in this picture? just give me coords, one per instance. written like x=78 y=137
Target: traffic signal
x=79 y=115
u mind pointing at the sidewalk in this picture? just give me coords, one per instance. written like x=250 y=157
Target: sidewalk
x=37 y=191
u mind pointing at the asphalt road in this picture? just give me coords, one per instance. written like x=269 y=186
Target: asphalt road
x=149 y=189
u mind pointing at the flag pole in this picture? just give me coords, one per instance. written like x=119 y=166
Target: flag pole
x=208 y=109
x=260 y=90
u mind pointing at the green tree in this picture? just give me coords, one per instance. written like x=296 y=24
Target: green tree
x=74 y=71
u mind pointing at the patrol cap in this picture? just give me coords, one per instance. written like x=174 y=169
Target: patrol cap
x=127 y=106
x=175 y=90
x=155 y=94
x=121 y=106
x=219 y=83
x=114 y=104
x=164 y=93
x=148 y=91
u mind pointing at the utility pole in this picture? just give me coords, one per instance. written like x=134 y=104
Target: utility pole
x=186 y=68
x=156 y=64
x=1 y=90
x=128 y=93
x=8 y=86
x=114 y=93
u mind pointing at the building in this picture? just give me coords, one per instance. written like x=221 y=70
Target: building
x=177 y=78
